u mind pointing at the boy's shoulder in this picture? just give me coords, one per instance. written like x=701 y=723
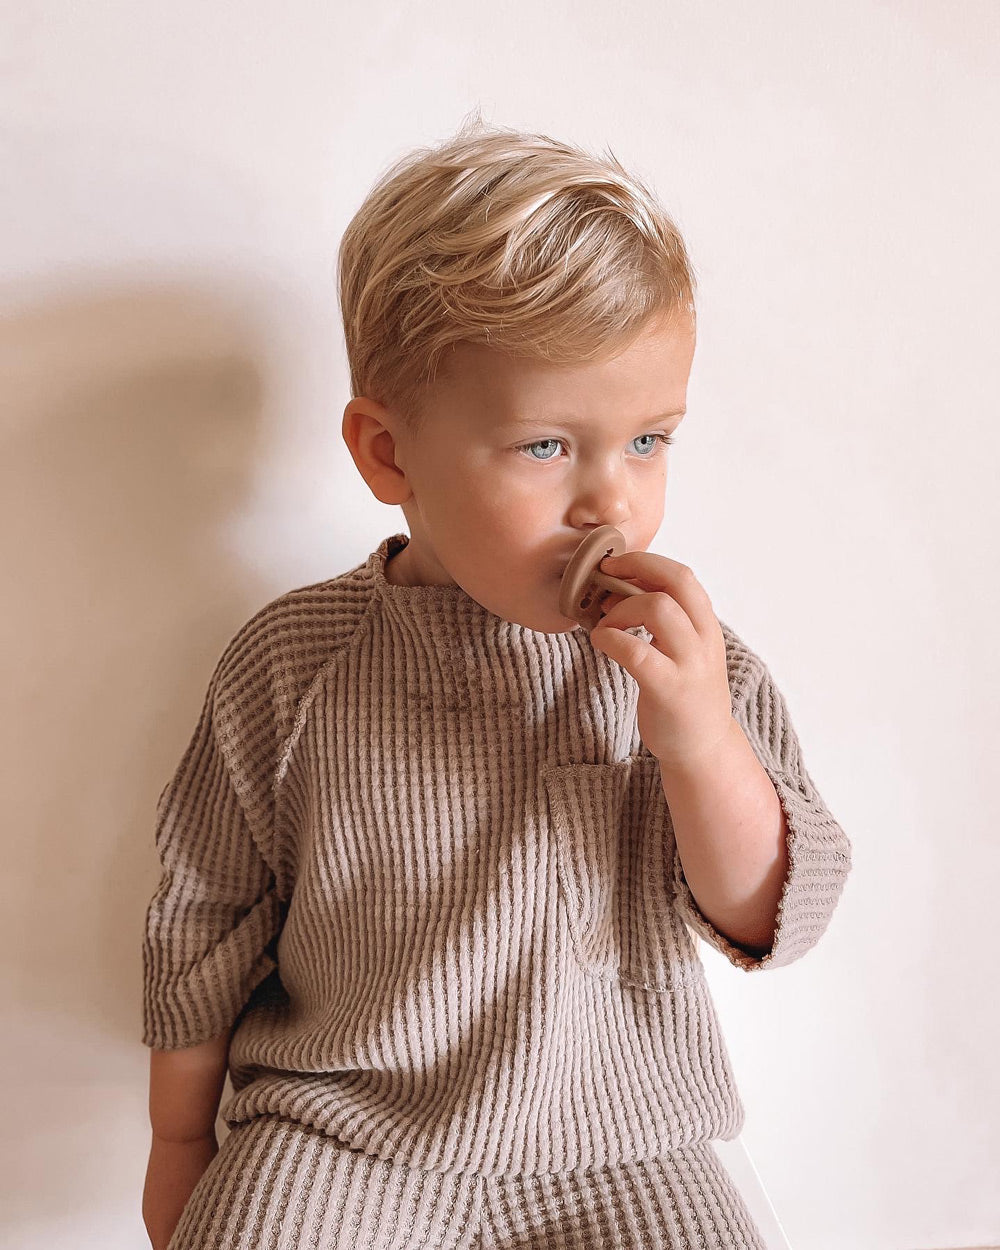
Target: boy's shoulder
x=300 y=625
x=270 y=661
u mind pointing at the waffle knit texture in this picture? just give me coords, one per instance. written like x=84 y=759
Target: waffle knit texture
x=280 y=1185
x=421 y=858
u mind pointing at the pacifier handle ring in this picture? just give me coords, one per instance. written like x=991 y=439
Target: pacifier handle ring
x=584 y=585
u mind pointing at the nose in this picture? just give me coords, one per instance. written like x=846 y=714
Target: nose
x=600 y=498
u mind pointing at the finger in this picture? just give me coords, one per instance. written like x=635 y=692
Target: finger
x=634 y=654
x=657 y=572
x=673 y=634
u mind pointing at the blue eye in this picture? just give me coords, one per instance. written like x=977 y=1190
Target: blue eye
x=541 y=443
x=664 y=439
x=661 y=439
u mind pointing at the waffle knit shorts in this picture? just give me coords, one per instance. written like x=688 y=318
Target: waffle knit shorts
x=279 y=1185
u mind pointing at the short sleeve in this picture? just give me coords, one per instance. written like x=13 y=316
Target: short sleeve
x=819 y=853
x=211 y=926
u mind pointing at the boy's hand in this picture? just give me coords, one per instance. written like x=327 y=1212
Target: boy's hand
x=685 y=709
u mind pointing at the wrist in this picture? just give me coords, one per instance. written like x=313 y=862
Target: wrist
x=704 y=760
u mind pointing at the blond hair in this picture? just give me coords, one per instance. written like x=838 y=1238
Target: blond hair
x=511 y=240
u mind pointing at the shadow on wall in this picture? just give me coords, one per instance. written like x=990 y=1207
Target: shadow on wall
x=132 y=427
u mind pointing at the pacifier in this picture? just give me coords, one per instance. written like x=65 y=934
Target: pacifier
x=584 y=586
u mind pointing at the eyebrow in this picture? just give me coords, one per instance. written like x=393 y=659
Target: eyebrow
x=542 y=420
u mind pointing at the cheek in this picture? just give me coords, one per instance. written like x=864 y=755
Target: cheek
x=518 y=516
x=502 y=493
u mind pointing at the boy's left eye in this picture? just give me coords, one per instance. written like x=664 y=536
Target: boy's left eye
x=661 y=439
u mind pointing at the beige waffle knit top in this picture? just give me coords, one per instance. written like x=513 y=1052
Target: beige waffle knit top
x=419 y=855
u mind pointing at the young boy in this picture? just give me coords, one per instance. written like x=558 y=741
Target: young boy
x=433 y=857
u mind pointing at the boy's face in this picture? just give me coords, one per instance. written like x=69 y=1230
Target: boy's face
x=518 y=461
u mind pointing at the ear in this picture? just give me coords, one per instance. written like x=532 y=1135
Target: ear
x=371 y=434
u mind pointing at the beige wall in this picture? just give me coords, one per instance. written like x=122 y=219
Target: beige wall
x=177 y=177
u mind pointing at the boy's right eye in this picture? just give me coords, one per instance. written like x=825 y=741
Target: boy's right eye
x=525 y=447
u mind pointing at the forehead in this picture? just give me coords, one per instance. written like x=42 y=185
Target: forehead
x=647 y=378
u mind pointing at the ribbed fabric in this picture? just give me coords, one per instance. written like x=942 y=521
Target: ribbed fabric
x=282 y=1186
x=421 y=854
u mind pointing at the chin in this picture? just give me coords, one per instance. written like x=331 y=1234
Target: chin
x=538 y=611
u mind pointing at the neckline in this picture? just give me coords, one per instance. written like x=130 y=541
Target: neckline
x=381 y=556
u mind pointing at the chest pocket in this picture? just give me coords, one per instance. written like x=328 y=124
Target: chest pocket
x=615 y=848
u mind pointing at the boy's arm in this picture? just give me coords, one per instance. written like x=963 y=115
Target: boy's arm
x=185 y=1087
x=212 y=924
x=184 y=1090
x=731 y=834
x=815 y=860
